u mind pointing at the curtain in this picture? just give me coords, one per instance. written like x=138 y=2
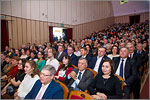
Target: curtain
x=51 y=37
x=69 y=34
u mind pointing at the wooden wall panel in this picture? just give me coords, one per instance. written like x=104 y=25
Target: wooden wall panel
x=45 y=32
x=24 y=30
x=10 y=30
x=29 y=36
x=37 y=27
x=14 y=33
x=41 y=32
x=19 y=30
x=33 y=32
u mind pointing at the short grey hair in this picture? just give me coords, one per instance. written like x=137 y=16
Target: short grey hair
x=83 y=59
x=50 y=68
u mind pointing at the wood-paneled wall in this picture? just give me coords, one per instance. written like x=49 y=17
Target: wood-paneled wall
x=125 y=19
x=23 y=31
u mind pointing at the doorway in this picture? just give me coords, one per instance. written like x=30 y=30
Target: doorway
x=4 y=34
x=134 y=19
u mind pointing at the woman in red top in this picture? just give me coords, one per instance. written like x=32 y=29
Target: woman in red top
x=64 y=69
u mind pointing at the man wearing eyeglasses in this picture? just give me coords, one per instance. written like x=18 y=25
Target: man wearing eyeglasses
x=46 y=87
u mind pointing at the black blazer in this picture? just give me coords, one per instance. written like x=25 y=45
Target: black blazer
x=87 y=78
x=61 y=56
x=87 y=57
x=130 y=70
x=74 y=59
x=93 y=62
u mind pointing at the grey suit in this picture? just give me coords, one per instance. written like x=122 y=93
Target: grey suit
x=61 y=56
x=86 y=79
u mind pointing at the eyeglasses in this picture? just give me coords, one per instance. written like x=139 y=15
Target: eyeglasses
x=44 y=75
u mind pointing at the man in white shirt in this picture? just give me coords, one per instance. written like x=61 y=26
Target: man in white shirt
x=96 y=61
x=51 y=58
x=46 y=87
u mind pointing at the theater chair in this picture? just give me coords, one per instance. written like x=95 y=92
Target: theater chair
x=79 y=95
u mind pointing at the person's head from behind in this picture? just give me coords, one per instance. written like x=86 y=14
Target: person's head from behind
x=47 y=74
x=31 y=68
x=107 y=67
x=21 y=64
x=66 y=60
x=82 y=64
x=101 y=51
x=124 y=52
x=51 y=53
x=83 y=51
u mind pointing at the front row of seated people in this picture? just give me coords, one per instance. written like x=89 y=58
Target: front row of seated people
x=41 y=85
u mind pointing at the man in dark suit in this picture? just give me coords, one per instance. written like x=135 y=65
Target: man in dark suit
x=79 y=78
x=137 y=58
x=125 y=67
x=96 y=61
x=70 y=51
x=46 y=87
x=84 y=54
x=60 y=53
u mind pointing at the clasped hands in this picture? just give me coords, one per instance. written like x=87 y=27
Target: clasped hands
x=73 y=75
x=99 y=96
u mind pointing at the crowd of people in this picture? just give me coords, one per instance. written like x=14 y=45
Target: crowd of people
x=120 y=49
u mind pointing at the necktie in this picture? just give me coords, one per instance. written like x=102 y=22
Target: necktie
x=79 y=77
x=41 y=92
x=121 y=69
x=131 y=56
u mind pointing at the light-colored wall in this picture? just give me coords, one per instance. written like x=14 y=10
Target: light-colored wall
x=70 y=12
x=23 y=31
x=126 y=18
x=132 y=7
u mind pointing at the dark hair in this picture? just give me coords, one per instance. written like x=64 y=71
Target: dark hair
x=116 y=47
x=33 y=64
x=69 y=63
x=21 y=71
x=111 y=64
x=42 y=54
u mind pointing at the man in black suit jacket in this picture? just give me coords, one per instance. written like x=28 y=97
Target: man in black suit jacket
x=137 y=58
x=84 y=54
x=79 y=78
x=96 y=61
x=74 y=58
x=60 y=53
x=129 y=70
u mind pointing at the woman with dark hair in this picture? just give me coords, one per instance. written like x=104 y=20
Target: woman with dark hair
x=41 y=62
x=33 y=56
x=23 y=54
x=114 y=51
x=105 y=84
x=64 y=69
x=16 y=81
x=32 y=75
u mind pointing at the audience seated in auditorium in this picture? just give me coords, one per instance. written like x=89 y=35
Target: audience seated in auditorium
x=51 y=58
x=46 y=87
x=16 y=81
x=32 y=75
x=64 y=69
x=41 y=62
x=79 y=78
x=60 y=53
x=106 y=85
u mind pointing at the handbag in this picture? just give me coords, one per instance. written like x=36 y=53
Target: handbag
x=11 y=90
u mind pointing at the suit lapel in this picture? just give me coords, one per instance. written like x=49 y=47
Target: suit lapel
x=48 y=90
x=84 y=76
x=117 y=64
